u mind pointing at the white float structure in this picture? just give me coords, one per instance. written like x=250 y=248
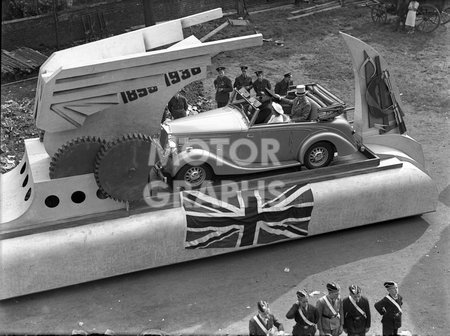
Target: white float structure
x=59 y=232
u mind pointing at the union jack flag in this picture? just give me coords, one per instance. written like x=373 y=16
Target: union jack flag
x=247 y=217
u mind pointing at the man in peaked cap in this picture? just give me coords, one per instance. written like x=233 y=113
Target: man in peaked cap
x=223 y=87
x=264 y=323
x=243 y=80
x=282 y=87
x=331 y=317
x=390 y=307
x=260 y=84
x=356 y=313
x=305 y=315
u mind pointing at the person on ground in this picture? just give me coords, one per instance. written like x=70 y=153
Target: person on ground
x=356 y=310
x=390 y=307
x=331 y=319
x=305 y=315
x=264 y=323
x=410 y=21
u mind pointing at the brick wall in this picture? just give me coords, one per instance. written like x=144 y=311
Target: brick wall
x=39 y=32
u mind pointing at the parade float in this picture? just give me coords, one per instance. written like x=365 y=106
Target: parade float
x=85 y=202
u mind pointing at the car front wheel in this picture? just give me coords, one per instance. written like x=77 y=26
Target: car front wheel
x=318 y=155
x=192 y=177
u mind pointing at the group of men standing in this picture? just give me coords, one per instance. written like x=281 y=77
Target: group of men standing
x=224 y=86
x=299 y=108
x=332 y=315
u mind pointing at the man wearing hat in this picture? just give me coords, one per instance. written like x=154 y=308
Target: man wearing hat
x=331 y=317
x=356 y=313
x=305 y=315
x=223 y=87
x=390 y=307
x=260 y=84
x=278 y=115
x=264 y=323
x=282 y=87
x=243 y=80
x=301 y=107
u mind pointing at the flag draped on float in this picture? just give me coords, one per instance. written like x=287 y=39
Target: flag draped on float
x=246 y=218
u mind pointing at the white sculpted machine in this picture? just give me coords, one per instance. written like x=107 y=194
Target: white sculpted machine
x=76 y=208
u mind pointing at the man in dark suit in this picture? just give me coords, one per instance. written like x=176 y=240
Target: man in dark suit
x=264 y=323
x=356 y=313
x=390 y=307
x=305 y=315
x=223 y=87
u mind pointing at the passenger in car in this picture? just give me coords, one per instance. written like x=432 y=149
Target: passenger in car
x=278 y=115
x=301 y=107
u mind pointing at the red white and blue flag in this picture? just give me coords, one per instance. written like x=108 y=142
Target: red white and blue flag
x=247 y=217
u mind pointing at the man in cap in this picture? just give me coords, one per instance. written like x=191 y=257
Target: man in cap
x=305 y=315
x=243 y=80
x=278 y=115
x=282 y=87
x=330 y=310
x=356 y=313
x=301 y=107
x=178 y=106
x=390 y=307
x=264 y=323
x=260 y=84
x=223 y=87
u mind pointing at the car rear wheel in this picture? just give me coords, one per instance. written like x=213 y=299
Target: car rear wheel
x=192 y=177
x=318 y=155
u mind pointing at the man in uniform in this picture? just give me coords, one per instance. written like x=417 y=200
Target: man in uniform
x=223 y=87
x=356 y=313
x=301 y=107
x=282 y=87
x=264 y=323
x=243 y=80
x=330 y=310
x=260 y=84
x=178 y=106
x=305 y=315
x=390 y=307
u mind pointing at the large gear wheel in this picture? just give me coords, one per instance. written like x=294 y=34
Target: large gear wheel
x=76 y=157
x=122 y=167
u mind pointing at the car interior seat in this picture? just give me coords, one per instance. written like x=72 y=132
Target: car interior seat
x=314 y=115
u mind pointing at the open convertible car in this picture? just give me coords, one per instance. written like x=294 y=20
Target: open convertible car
x=236 y=139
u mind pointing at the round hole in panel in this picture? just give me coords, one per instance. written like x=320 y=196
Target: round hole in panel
x=22 y=170
x=28 y=194
x=52 y=201
x=25 y=182
x=78 y=197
